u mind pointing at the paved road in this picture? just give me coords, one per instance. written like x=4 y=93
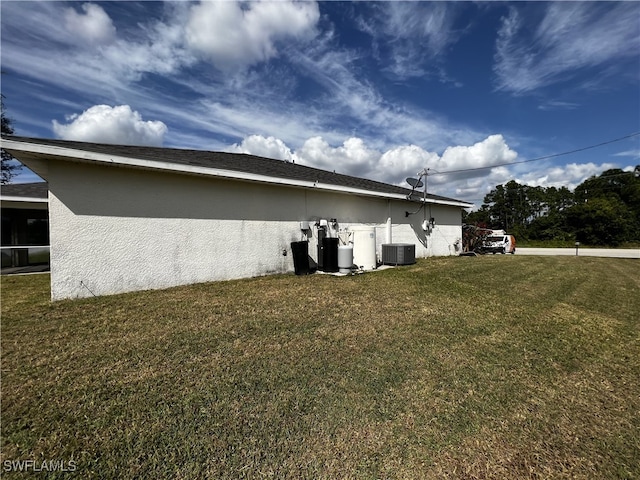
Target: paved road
x=583 y=252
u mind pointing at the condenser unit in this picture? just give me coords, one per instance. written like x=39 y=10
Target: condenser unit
x=398 y=254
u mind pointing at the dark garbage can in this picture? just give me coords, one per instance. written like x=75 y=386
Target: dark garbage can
x=322 y=233
x=301 y=257
x=330 y=260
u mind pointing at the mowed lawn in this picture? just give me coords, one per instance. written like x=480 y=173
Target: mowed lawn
x=488 y=367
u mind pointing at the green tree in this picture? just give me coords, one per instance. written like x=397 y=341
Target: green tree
x=513 y=207
x=615 y=193
x=603 y=210
x=9 y=165
x=602 y=221
x=550 y=222
x=478 y=217
x=495 y=203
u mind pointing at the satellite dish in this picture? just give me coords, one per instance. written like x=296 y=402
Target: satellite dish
x=414 y=182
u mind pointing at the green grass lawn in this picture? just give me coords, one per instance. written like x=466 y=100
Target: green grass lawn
x=459 y=367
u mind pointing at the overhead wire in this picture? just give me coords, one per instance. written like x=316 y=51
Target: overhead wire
x=545 y=157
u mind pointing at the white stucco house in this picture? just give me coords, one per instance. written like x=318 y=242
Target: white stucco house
x=126 y=218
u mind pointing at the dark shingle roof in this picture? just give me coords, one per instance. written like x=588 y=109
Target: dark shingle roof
x=25 y=190
x=238 y=162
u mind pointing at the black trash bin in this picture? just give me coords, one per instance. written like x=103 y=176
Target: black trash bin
x=330 y=253
x=322 y=233
x=301 y=257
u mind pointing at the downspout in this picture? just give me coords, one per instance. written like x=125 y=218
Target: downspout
x=388 y=231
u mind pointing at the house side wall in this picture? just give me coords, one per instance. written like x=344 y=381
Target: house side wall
x=115 y=230
x=441 y=240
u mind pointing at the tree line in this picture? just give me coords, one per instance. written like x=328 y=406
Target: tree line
x=603 y=210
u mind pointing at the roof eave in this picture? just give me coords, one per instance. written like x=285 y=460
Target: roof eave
x=13 y=198
x=131 y=162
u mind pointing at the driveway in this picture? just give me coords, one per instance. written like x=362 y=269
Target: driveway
x=583 y=252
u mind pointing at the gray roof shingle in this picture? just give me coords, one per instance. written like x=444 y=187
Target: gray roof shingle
x=238 y=162
x=25 y=190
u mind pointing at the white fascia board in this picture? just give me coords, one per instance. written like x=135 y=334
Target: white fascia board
x=453 y=203
x=86 y=156
x=6 y=198
x=435 y=201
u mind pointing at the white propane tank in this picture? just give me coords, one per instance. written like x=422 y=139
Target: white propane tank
x=364 y=246
x=345 y=258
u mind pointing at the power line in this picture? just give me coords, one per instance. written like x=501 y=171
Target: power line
x=539 y=158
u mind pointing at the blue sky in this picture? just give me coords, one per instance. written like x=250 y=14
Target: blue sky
x=379 y=90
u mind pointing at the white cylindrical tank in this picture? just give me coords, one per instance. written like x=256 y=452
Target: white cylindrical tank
x=345 y=258
x=364 y=246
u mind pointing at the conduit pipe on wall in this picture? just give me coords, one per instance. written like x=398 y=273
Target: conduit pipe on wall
x=388 y=238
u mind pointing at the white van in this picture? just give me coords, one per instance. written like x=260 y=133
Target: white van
x=500 y=244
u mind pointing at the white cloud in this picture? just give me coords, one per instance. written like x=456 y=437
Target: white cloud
x=493 y=150
x=570 y=175
x=269 y=147
x=107 y=69
x=222 y=106
x=234 y=35
x=568 y=38
x=93 y=26
x=558 y=105
x=114 y=125
x=347 y=96
x=406 y=161
x=155 y=46
x=473 y=185
x=408 y=36
x=629 y=153
x=355 y=157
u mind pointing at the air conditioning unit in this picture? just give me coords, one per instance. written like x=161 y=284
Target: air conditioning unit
x=398 y=254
